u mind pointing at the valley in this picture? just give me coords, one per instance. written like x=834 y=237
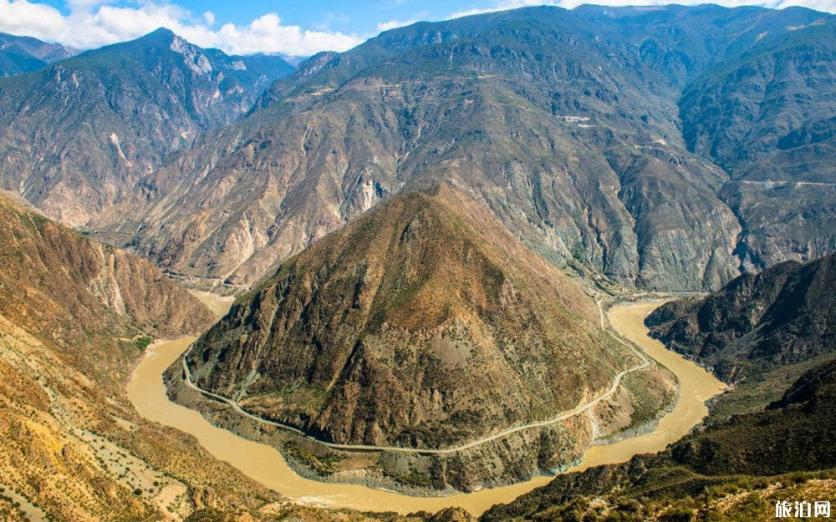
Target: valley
x=504 y=265
x=265 y=464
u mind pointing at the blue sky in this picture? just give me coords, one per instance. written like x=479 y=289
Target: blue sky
x=346 y=16
x=298 y=27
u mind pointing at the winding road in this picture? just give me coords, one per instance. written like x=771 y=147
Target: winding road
x=430 y=451
x=265 y=464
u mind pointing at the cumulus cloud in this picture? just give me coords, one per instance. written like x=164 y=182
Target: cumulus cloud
x=394 y=24
x=93 y=23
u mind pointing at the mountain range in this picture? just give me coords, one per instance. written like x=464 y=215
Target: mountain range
x=583 y=131
x=600 y=136
x=19 y=54
x=419 y=233
x=84 y=133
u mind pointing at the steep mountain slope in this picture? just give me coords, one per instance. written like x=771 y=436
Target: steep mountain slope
x=423 y=324
x=69 y=290
x=784 y=315
x=768 y=117
x=769 y=111
x=566 y=123
x=74 y=315
x=728 y=472
x=85 y=132
x=557 y=120
x=362 y=337
x=19 y=54
x=73 y=447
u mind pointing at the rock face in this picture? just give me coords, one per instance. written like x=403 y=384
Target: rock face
x=423 y=324
x=784 y=315
x=81 y=134
x=566 y=124
x=20 y=54
x=767 y=117
x=61 y=285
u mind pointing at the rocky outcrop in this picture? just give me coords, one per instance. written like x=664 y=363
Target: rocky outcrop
x=785 y=314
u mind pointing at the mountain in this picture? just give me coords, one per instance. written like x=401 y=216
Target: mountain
x=74 y=317
x=373 y=321
x=566 y=124
x=86 y=132
x=20 y=54
x=781 y=316
x=737 y=470
x=768 y=117
x=62 y=287
x=421 y=324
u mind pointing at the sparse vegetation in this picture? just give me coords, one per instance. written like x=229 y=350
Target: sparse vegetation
x=143 y=342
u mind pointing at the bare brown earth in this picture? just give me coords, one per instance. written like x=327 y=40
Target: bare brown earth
x=266 y=465
x=74 y=316
x=423 y=324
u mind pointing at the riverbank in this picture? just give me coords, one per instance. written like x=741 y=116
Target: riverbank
x=266 y=465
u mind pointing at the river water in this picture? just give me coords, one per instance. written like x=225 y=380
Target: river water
x=265 y=464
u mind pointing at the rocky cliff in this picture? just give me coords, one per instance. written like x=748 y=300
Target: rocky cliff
x=567 y=124
x=83 y=133
x=783 y=315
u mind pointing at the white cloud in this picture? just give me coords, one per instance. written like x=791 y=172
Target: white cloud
x=93 y=23
x=394 y=24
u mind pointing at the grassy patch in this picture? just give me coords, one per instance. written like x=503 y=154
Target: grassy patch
x=756 y=394
x=142 y=342
x=649 y=397
x=323 y=464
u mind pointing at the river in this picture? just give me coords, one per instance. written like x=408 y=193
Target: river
x=265 y=464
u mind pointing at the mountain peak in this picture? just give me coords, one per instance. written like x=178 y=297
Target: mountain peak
x=160 y=32
x=161 y=36
x=424 y=278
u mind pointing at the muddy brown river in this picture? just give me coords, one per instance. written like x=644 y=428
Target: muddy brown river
x=265 y=465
